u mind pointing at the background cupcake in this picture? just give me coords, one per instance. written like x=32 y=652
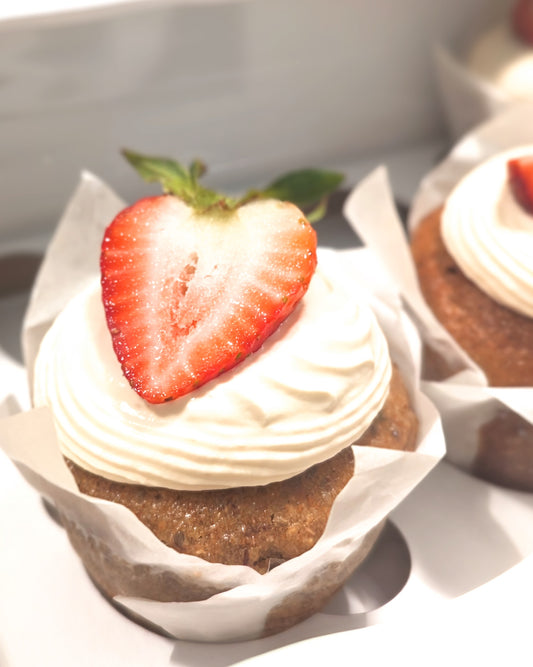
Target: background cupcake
x=491 y=72
x=487 y=424
x=502 y=56
x=473 y=257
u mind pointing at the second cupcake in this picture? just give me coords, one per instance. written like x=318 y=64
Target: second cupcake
x=474 y=257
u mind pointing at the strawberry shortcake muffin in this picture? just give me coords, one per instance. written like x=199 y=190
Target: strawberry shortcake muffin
x=213 y=381
x=474 y=258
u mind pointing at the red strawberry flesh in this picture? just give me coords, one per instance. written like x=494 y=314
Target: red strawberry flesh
x=188 y=296
x=520 y=173
x=522 y=20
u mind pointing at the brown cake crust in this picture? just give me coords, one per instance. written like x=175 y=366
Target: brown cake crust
x=505 y=454
x=259 y=526
x=498 y=339
x=396 y=426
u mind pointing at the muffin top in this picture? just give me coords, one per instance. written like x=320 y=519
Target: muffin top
x=312 y=389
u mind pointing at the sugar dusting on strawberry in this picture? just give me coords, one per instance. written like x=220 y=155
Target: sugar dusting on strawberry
x=520 y=174
x=193 y=282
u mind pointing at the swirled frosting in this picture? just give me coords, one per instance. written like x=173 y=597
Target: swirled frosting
x=504 y=61
x=312 y=389
x=490 y=235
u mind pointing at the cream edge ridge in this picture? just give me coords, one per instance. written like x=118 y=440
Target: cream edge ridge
x=312 y=389
x=490 y=235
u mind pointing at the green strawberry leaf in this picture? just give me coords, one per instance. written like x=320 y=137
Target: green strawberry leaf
x=318 y=212
x=172 y=175
x=303 y=188
x=177 y=180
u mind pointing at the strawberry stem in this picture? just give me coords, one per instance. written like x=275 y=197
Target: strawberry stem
x=304 y=187
x=197 y=170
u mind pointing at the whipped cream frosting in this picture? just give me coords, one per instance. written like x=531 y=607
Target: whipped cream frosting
x=503 y=60
x=490 y=235
x=312 y=389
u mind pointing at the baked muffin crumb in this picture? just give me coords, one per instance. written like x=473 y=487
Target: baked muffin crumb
x=257 y=526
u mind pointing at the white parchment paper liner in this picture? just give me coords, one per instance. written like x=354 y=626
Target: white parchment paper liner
x=467 y=99
x=382 y=480
x=465 y=400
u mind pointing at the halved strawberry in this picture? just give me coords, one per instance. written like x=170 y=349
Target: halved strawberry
x=522 y=20
x=520 y=172
x=192 y=284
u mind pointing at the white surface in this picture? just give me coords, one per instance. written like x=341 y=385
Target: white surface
x=28 y=12
x=27 y=9
x=466 y=631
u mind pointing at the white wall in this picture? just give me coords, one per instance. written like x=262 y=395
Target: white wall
x=254 y=87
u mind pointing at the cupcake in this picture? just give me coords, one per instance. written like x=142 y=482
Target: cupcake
x=502 y=56
x=474 y=256
x=224 y=496
x=490 y=72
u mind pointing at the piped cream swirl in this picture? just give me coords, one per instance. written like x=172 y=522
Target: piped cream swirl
x=312 y=389
x=490 y=235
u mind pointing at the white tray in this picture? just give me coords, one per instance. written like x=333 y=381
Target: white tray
x=452 y=539
x=454 y=563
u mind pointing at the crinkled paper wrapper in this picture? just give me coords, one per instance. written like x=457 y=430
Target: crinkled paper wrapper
x=465 y=401
x=239 y=603
x=467 y=99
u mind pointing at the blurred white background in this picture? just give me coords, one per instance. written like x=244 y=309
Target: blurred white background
x=254 y=87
